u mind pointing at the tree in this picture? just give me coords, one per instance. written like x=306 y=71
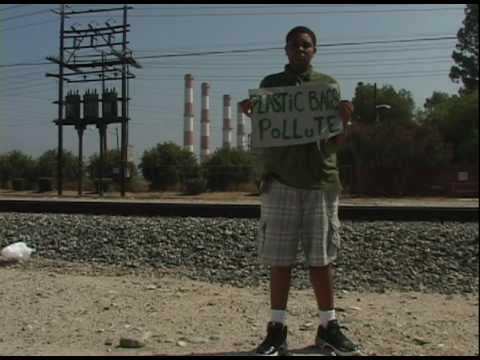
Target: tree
x=430 y=148
x=389 y=154
x=167 y=164
x=401 y=103
x=462 y=128
x=466 y=59
x=111 y=166
x=16 y=164
x=456 y=118
x=228 y=167
x=3 y=171
x=438 y=98
x=47 y=165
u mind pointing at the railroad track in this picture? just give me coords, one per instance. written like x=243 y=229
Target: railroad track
x=132 y=208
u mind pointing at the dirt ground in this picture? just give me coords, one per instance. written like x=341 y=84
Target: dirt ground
x=231 y=197
x=58 y=308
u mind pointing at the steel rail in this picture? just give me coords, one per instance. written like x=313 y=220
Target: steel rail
x=137 y=208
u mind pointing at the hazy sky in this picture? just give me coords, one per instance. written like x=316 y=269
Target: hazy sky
x=30 y=33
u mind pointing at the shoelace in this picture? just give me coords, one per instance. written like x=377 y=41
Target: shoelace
x=336 y=330
x=272 y=338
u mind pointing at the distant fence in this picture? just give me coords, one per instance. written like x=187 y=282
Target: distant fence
x=454 y=180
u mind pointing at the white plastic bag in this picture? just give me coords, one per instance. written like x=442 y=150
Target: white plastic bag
x=18 y=250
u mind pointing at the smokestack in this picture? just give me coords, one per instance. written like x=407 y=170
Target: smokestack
x=188 y=114
x=241 y=135
x=227 y=120
x=205 y=123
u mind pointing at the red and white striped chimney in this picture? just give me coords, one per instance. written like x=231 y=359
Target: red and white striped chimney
x=241 y=134
x=205 y=123
x=188 y=118
x=227 y=121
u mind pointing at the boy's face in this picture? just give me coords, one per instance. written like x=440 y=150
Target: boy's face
x=300 y=50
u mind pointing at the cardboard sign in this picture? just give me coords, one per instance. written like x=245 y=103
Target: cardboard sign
x=293 y=115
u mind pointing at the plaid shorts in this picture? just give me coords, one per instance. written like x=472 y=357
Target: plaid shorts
x=289 y=215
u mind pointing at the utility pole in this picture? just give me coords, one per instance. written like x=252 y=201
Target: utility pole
x=60 y=106
x=80 y=130
x=106 y=63
x=124 y=150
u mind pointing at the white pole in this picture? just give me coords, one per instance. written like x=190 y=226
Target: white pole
x=227 y=121
x=205 y=123
x=189 y=118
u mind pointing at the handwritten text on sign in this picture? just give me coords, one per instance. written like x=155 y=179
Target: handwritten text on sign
x=293 y=115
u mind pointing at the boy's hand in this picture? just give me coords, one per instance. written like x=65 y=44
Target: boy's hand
x=246 y=106
x=345 y=109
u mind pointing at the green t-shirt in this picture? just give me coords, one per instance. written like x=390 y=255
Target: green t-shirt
x=300 y=166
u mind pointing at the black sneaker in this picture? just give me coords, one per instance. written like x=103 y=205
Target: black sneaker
x=333 y=338
x=275 y=344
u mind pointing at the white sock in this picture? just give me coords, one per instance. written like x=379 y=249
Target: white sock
x=279 y=316
x=326 y=316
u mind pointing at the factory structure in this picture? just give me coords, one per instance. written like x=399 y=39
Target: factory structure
x=242 y=138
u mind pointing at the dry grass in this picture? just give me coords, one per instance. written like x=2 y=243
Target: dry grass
x=246 y=194
x=176 y=196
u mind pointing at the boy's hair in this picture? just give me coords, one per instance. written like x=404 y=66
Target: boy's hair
x=302 y=29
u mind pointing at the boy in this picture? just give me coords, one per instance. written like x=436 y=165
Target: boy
x=300 y=187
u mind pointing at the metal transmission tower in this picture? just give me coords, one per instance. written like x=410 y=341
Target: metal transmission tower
x=77 y=67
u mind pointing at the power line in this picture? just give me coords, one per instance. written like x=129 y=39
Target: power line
x=25 y=86
x=389 y=41
x=28 y=82
x=30 y=97
x=271 y=65
x=338 y=12
x=240 y=51
x=352 y=12
x=233 y=76
x=24 y=64
x=344 y=76
x=25 y=15
x=27 y=25
x=271 y=43
x=15 y=89
x=20 y=88
x=276 y=6
x=14 y=7
x=21 y=81
x=237 y=51
x=395 y=50
x=370 y=42
x=19 y=78
x=17 y=74
x=25 y=123
x=339 y=52
x=384 y=77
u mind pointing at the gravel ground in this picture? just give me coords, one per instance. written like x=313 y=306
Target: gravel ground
x=191 y=286
x=375 y=256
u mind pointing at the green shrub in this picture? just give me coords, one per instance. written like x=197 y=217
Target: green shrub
x=195 y=186
x=17 y=165
x=45 y=184
x=167 y=165
x=137 y=184
x=110 y=168
x=103 y=185
x=164 y=177
x=46 y=165
x=18 y=184
x=228 y=168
